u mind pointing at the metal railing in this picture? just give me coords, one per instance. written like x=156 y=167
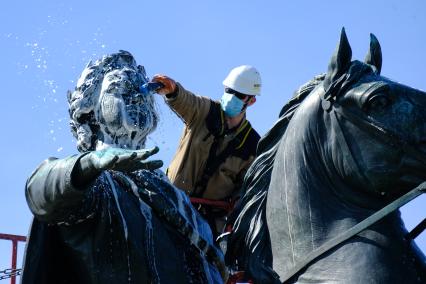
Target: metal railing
x=12 y=272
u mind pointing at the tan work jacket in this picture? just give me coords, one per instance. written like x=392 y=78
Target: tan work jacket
x=204 y=122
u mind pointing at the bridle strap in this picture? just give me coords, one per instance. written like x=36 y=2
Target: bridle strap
x=314 y=255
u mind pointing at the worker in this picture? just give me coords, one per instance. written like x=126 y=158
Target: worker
x=218 y=142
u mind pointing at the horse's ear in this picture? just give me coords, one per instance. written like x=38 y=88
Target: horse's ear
x=340 y=61
x=374 y=55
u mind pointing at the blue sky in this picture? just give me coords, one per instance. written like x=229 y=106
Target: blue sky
x=46 y=44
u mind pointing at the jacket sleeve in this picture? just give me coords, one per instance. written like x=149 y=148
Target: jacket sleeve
x=191 y=108
x=50 y=194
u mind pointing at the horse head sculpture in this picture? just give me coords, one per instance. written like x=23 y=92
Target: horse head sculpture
x=348 y=143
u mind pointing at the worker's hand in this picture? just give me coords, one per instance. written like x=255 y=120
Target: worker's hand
x=124 y=160
x=169 y=84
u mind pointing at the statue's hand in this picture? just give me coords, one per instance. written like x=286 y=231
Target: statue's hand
x=92 y=164
x=124 y=160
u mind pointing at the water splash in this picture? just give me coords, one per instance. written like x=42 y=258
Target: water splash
x=114 y=191
x=149 y=244
x=174 y=207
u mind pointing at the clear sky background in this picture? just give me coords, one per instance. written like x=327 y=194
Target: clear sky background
x=46 y=44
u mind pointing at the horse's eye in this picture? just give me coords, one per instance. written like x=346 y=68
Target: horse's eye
x=378 y=102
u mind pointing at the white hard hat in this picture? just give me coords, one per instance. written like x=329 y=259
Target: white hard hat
x=244 y=79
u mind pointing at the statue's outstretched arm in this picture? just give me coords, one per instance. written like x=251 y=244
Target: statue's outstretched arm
x=49 y=191
x=57 y=187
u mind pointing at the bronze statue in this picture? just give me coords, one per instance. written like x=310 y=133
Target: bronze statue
x=107 y=215
x=348 y=143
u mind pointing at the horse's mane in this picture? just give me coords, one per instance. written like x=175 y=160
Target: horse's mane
x=249 y=243
x=271 y=138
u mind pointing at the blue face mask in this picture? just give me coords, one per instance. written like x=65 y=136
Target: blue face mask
x=231 y=105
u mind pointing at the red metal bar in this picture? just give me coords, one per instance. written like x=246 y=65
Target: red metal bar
x=14 y=256
x=225 y=205
x=238 y=277
x=15 y=239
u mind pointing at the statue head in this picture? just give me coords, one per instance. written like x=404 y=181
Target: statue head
x=107 y=108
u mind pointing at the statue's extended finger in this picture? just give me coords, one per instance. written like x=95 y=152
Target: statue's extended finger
x=144 y=154
x=127 y=156
x=152 y=165
x=108 y=163
x=133 y=156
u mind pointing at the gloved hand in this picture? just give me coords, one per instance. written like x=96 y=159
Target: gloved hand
x=169 y=84
x=92 y=164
